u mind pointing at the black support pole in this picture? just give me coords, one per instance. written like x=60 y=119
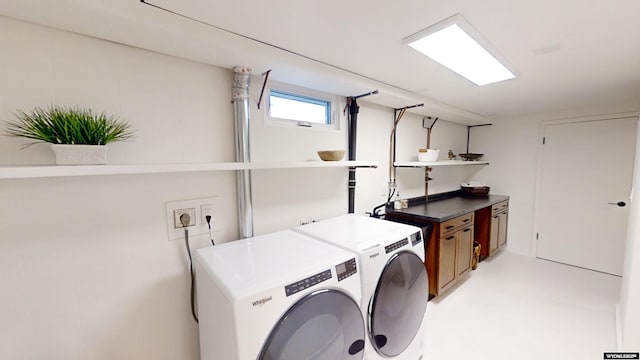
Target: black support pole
x=352 y=103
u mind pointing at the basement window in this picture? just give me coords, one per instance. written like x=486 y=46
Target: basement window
x=290 y=105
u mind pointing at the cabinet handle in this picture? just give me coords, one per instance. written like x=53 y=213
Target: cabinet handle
x=496 y=217
x=466 y=220
x=466 y=230
x=450 y=227
x=451 y=237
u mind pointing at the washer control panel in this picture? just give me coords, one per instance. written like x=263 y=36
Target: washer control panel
x=416 y=238
x=396 y=245
x=346 y=269
x=307 y=282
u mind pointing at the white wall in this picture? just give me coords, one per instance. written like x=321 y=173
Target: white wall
x=284 y=197
x=630 y=291
x=374 y=130
x=510 y=145
x=86 y=270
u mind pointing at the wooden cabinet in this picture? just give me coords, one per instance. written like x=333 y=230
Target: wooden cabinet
x=455 y=249
x=491 y=228
x=464 y=250
x=498 y=227
x=449 y=249
x=446 y=263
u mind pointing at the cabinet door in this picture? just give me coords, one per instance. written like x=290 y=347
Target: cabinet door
x=465 y=250
x=502 y=229
x=447 y=262
x=495 y=234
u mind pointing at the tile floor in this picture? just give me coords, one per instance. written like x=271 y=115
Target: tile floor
x=518 y=307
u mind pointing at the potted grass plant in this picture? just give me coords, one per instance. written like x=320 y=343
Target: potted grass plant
x=78 y=136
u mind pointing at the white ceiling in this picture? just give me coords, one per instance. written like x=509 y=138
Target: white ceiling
x=567 y=54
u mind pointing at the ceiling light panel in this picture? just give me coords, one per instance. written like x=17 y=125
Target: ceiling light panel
x=456 y=45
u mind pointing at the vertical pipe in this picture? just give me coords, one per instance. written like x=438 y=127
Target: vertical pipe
x=241 y=112
x=353 y=131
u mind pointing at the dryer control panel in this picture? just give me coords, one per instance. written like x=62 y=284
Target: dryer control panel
x=346 y=269
x=416 y=238
x=396 y=245
x=307 y=282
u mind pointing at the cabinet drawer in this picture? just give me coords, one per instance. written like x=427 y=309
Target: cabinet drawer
x=500 y=207
x=455 y=223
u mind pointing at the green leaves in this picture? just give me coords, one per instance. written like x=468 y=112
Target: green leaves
x=67 y=125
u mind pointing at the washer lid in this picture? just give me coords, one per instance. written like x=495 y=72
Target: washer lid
x=358 y=232
x=324 y=325
x=398 y=305
x=245 y=267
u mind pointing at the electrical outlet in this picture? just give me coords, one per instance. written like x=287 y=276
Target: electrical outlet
x=177 y=214
x=207 y=210
x=197 y=210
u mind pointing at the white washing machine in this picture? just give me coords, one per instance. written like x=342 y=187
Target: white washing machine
x=281 y=296
x=395 y=285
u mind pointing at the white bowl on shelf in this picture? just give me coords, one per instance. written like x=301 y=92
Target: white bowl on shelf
x=428 y=154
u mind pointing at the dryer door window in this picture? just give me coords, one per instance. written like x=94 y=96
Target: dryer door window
x=324 y=325
x=398 y=305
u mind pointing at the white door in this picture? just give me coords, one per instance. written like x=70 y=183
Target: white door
x=586 y=177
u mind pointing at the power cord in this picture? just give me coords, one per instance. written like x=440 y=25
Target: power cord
x=185 y=219
x=208 y=217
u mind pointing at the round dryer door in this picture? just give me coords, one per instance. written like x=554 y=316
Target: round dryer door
x=324 y=325
x=398 y=304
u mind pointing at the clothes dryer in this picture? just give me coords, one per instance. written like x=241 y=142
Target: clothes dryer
x=282 y=296
x=395 y=285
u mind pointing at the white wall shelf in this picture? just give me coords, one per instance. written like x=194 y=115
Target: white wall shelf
x=47 y=171
x=311 y=164
x=422 y=164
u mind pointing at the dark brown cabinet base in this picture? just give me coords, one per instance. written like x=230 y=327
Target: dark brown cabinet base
x=449 y=248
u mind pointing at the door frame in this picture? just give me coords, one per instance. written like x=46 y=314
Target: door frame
x=538 y=184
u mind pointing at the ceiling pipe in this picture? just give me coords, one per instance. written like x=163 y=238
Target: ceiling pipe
x=241 y=112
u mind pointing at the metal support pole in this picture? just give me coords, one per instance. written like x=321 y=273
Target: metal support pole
x=352 y=134
x=240 y=93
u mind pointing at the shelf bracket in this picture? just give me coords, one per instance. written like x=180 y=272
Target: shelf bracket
x=469 y=132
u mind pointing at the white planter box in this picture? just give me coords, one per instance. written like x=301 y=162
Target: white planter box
x=80 y=154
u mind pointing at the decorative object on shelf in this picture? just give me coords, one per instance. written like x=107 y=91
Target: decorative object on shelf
x=331 y=155
x=79 y=136
x=475 y=189
x=80 y=154
x=428 y=154
x=471 y=156
x=451 y=155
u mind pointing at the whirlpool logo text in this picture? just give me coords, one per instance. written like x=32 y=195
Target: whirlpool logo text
x=262 y=301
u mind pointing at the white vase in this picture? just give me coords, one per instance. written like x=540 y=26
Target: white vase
x=428 y=154
x=80 y=154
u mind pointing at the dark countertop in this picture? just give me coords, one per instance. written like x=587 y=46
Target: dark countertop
x=439 y=210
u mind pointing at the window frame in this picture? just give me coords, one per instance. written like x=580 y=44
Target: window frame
x=294 y=91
